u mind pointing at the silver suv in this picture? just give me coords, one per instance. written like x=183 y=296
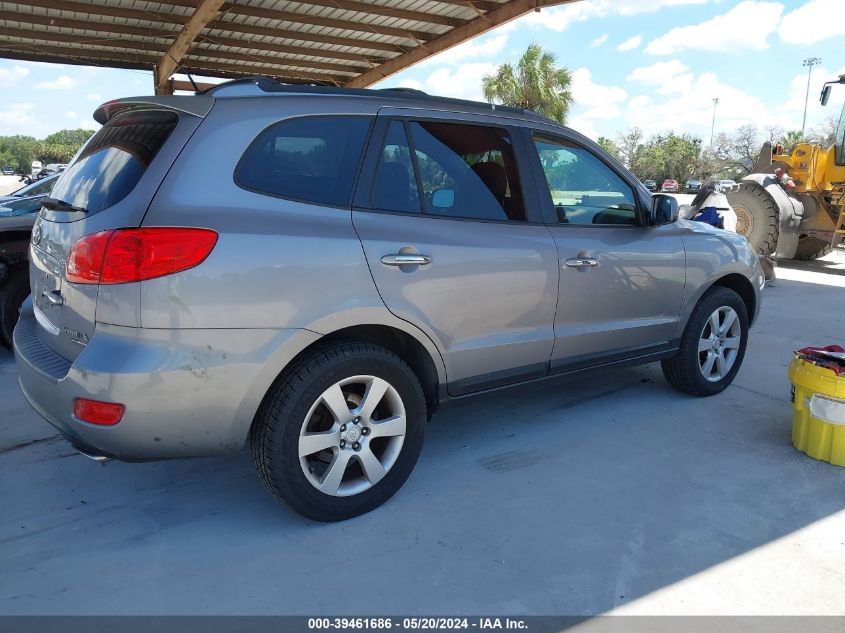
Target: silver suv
x=311 y=271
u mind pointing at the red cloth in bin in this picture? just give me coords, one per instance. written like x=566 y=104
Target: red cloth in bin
x=816 y=356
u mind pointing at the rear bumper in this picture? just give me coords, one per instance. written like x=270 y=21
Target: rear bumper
x=186 y=392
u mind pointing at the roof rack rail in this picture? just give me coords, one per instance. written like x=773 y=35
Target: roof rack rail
x=270 y=85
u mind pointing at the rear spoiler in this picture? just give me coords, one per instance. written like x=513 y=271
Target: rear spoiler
x=198 y=105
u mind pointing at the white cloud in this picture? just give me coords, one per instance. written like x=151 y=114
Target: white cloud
x=463 y=82
x=601 y=39
x=10 y=76
x=561 y=18
x=688 y=106
x=16 y=117
x=631 y=43
x=64 y=82
x=70 y=114
x=411 y=83
x=665 y=77
x=482 y=47
x=747 y=26
x=94 y=97
x=593 y=100
x=817 y=20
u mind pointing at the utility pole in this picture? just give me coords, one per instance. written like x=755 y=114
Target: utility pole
x=809 y=63
x=713 y=124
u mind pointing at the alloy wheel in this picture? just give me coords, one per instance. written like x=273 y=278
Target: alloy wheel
x=352 y=435
x=718 y=344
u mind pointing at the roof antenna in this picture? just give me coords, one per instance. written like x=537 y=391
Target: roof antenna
x=193 y=83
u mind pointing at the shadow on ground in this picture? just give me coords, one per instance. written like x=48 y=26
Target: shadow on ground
x=559 y=498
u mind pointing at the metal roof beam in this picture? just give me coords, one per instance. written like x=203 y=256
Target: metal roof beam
x=477 y=26
x=232 y=42
x=206 y=11
x=201 y=50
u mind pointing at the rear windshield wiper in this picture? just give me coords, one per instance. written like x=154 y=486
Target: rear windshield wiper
x=54 y=204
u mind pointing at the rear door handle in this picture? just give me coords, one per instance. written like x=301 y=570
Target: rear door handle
x=579 y=262
x=406 y=260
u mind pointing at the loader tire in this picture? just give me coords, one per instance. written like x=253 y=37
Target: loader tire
x=757 y=217
x=812 y=248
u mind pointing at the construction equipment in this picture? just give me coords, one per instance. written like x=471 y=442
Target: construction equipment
x=791 y=204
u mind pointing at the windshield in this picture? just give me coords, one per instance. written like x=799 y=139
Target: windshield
x=113 y=161
x=840 y=139
x=37 y=188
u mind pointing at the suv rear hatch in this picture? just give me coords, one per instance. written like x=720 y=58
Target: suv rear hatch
x=108 y=185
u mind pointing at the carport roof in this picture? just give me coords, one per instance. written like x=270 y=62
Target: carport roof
x=351 y=43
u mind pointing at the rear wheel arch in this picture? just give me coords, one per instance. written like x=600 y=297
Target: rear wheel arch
x=404 y=345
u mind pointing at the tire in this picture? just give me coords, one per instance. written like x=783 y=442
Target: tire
x=12 y=295
x=686 y=370
x=758 y=217
x=812 y=248
x=298 y=405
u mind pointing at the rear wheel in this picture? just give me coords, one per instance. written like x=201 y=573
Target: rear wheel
x=812 y=248
x=341 y=431
x=757 y=217
x=712 y=346
x=12 y=295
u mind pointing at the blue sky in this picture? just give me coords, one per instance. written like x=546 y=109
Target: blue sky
x=655 y=64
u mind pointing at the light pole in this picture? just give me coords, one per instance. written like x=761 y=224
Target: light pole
x=809 y=63
x=713 y=124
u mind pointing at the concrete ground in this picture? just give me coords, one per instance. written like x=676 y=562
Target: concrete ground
x=610 y=494
x=8 y=184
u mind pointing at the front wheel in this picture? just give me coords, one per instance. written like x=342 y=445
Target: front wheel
x=341 y=431
x=712 y=346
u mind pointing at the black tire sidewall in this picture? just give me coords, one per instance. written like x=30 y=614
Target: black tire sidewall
x=714 y=299
x=764 y=233
x=286 y=476
x=12 y=295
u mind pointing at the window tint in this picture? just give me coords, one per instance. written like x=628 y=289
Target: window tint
x=113 y=161
x=584 y=190
x=395 y=187
x=313 y=159
x=467 y=171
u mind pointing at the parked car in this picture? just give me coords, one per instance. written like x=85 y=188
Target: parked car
x=272 y=266
x=36 y=188
x=670 y=186
x=651 y=185
x=727 y=185
x=693 y=185
x=8 y=170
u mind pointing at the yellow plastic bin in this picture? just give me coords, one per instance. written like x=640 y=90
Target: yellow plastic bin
x=818 y=425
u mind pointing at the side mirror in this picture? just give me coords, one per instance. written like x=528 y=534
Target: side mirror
x=825 y=94
x=664 y=210
x=443 y=198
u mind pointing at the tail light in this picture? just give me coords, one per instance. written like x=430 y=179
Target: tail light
x=99 y=413
x=123 y=256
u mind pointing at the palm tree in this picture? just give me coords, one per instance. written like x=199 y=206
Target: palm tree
x=537 y=83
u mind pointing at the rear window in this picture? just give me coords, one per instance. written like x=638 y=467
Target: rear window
x=311 y=159
x=113 y=161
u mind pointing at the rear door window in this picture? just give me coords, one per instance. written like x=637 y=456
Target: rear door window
x=467 y=171
x=310 y=159
x=113 y=161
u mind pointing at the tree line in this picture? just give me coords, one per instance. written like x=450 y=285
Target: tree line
x=19 y=151
x=684 y=156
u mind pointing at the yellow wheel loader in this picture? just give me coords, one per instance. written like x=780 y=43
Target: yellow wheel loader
x=791 y=204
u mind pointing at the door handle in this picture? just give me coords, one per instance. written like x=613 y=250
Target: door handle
x=579 y=262
x=54 y=297
x=409 y=259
